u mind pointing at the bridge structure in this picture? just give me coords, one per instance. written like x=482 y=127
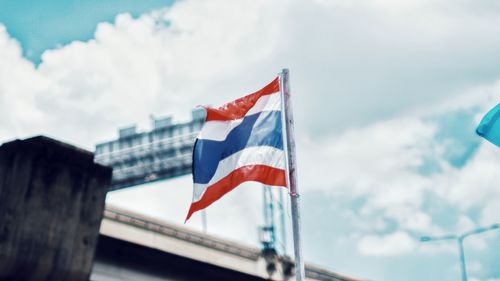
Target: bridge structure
x=56 y=227
x=136 y=247
x=161 y=153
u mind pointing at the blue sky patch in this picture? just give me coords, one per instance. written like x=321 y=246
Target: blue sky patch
x=42 y=25
x=457 y=132
x=456 y=135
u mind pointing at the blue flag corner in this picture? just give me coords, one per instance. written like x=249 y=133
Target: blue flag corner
x=489 y=128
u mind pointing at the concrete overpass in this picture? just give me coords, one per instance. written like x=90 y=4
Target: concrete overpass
x=52 y=201
x=135 y=247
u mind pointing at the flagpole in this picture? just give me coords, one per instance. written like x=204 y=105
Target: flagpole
x=291 y=169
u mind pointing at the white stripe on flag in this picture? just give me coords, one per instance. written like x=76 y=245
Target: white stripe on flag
x=258 y=155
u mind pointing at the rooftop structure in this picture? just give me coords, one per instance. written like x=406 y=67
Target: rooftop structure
x=141 y=157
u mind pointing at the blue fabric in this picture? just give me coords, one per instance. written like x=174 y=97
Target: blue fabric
x=489 y=128
x=261 y=129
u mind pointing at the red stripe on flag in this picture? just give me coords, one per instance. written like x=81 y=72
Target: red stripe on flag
x=259 y=173
x=238 y=108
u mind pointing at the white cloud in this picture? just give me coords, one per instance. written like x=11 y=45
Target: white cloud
x=379 y=163
x=19 y=85
x=382 y=164
x=365 y=60
x=165 y=62
x=473 y=185
x=396 y=243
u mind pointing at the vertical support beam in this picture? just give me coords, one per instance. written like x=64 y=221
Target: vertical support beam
x=272 y=225
x=51 y=205
x=463 y=268
x=204 y=223
x=292 y=172
x=268 y=235
x=282 y=221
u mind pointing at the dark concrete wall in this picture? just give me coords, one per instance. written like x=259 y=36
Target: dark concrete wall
x=51 y=204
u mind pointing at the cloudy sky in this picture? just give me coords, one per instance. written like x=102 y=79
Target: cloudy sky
x=387 y=94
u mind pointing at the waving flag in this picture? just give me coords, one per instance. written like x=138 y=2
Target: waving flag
x=241 y=141
x=489 y=128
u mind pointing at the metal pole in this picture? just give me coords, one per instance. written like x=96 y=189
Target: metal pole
x=291 y=165
x=460 y=242
x=204 y=220
x=271 y=217
x=282 y=221
x=463 y=269
x=264 y=205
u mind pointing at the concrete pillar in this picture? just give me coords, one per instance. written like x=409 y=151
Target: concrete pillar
x=51 y=205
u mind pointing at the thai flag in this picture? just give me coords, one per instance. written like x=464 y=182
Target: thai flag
x=241 y=141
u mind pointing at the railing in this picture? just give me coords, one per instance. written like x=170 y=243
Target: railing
x=316 y=273
x=153 y=166
x=184 y=235
x=157 y=160
x=312 y=272
x=169 y=142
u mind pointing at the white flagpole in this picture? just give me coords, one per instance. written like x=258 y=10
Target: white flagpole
x=291 y=168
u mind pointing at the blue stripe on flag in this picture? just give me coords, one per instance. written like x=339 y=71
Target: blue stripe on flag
x=489 y=128
x=261 y=129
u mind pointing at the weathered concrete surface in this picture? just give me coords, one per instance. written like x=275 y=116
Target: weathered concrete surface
x=51 y=205
x=133 y=246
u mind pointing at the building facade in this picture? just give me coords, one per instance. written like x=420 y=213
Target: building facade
x=162 y=153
